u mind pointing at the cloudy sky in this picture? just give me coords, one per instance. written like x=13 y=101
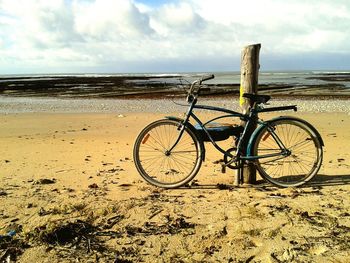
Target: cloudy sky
x=111 y=36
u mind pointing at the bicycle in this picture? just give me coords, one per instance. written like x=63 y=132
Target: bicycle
x=287 y=151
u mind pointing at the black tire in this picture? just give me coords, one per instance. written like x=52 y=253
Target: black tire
x=162 y=169
x=303 y=161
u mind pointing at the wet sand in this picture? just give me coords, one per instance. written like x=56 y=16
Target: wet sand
x=70 y=191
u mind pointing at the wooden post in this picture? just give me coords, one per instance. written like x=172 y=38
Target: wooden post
x=249 y=84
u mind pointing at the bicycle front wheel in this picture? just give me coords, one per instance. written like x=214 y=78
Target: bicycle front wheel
x=162 y=166
x=290 y=152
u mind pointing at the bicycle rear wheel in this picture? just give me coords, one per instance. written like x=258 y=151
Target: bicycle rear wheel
x=160 y=167
x=296 y=166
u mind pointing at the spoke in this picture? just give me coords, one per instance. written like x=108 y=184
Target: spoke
x=167 y=169
x=299 y=164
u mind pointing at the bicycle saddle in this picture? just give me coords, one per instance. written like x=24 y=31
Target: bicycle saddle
x=257 y=98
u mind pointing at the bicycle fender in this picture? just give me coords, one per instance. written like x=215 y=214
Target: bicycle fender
x=256 y=132
x=193 y=129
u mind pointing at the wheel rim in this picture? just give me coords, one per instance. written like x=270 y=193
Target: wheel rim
x=299 y=163
x=157 y=164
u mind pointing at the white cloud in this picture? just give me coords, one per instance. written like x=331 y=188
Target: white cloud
x=283 y=26
x=110 y=19
x=178 y=18
x=100 y=33
x=41 y=23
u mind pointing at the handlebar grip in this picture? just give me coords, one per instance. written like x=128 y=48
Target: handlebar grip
x=208 y=77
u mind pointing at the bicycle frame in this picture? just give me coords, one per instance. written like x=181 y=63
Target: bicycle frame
x=253 y=115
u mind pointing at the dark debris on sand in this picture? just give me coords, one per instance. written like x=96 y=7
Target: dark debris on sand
x=145 y=228
x=149 y=87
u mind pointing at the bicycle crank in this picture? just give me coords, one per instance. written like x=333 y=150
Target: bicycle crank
x=231 y=162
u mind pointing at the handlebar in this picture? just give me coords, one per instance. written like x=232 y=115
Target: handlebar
x=198 y=82
x=208 y=77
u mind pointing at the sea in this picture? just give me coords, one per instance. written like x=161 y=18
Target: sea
x=306 y=77
x=297 y=78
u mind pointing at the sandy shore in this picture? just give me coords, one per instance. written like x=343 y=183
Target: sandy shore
x=165 y=106
x=71 y=192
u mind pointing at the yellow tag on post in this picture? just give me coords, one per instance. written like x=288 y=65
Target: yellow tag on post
x=241 y=99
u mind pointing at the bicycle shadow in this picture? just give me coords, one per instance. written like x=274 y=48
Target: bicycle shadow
x=329 y=180
x=318 y=180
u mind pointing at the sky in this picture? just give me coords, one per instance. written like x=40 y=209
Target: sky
x=134 y=36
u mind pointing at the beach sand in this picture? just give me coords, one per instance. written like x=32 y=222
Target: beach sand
x=71 y=192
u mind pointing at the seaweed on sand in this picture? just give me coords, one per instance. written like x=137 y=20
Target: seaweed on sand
x=11 y=248
x=75 y=239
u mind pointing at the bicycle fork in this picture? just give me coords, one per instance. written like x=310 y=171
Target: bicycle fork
x=181 y=128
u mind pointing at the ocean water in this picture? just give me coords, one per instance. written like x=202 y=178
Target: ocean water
x=265 y=77
x=297 y=78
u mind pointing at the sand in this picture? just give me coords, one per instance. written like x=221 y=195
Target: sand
x=71 y=192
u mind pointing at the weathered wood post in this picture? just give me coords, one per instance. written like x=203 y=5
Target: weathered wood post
x=249 y=84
